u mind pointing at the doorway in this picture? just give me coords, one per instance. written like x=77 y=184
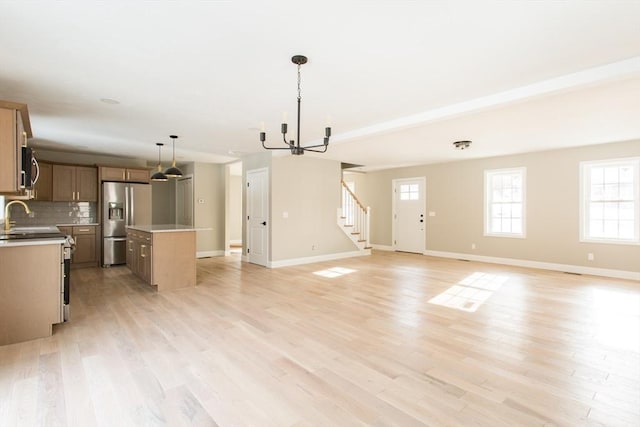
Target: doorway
x=257 y=205
x=408 y=221
x=184 y=200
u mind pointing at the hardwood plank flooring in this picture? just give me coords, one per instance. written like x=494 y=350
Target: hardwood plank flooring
x=386 y=340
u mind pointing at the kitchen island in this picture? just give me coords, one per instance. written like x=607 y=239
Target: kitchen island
x=31 y=275
x=164 y=255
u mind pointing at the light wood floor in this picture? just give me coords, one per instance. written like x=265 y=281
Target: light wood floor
x=256 y=347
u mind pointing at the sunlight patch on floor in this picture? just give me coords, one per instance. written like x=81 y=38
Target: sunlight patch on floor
x=471 y=292
x=617 y=317
x=334 y=272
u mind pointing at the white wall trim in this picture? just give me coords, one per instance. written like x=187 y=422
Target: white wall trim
x=320 y=258
x=606 y=272
x=235 y=242
x=382 y=247
x=244 y=258
x=205 y=254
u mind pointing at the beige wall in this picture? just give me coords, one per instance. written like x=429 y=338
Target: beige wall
x=455 y=192
x=308 y=190
x=208 y=186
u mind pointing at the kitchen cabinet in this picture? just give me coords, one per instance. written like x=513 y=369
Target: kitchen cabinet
x=139 y=254
x=43 y=190
x=74 y=183
x=30 y=293
x=108 y=173
x=14 y=131
x=84 y=254
x=165 y=258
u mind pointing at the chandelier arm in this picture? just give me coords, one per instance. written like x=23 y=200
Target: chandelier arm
x=275 y=148
x=315 y=151
x=318 y=145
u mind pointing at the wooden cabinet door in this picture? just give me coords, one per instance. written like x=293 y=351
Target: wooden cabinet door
x=137 y=175
x=8 y=151
x=44 y=187
x=63 y=183
x=85 y=248
x=86 y=184
x=112 y=174
x=85 y=237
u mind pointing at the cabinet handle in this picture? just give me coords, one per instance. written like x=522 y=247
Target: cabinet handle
x=83 y=229
x=24 y=139
x=128 y=175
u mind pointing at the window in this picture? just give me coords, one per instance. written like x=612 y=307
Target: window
x=409 y=192
x=504 y=202
x=610 y=201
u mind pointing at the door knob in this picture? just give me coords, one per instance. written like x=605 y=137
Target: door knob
x=264 y=222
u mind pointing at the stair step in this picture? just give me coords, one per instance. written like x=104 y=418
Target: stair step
x=360 y=241
x=368 y=247
x=348 y=225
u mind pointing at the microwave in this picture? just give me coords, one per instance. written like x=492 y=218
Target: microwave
x=30 y=171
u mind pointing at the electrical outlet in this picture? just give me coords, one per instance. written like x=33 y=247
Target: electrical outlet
x=473 y=246
x=590 y=256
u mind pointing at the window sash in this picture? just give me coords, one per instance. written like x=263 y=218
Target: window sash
x=505 y=202
x=610 y=201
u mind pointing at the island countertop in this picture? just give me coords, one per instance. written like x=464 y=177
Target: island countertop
x=163 y=228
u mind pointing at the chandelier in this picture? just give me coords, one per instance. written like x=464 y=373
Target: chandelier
x=294 y=146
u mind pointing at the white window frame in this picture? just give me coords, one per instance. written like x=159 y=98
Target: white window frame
x=488 y=198
x=585 y=184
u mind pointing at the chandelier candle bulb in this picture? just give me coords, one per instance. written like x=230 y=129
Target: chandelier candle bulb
x=262 y=127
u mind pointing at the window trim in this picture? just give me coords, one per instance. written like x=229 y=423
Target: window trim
x=488 y=173
x=583 y=200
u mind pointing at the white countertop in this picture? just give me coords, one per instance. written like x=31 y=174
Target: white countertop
x=164 y=228
x=31 y=242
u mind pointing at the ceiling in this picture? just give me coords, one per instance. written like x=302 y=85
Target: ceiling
x=398 y=81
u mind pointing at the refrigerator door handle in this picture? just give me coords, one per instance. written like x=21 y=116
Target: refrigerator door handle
x=132 y=205
x=127 y=213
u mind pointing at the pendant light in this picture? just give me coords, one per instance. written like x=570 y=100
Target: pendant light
x=159 y=175
x=173 y=171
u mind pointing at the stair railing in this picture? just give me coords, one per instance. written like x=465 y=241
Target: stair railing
x=356 y=215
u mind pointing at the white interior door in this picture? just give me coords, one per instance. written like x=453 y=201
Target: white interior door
x=409 y=215
x=184 y=201
x=258 y=216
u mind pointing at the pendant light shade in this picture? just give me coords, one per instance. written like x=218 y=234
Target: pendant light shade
x=159 y=175
x=173 y=171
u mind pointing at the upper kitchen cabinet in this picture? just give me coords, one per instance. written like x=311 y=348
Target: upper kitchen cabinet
x=108 y=173
x=15 y=128
x=75 y=183
x=43 y=189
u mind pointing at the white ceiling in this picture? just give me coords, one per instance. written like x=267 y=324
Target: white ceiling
x=399 y=80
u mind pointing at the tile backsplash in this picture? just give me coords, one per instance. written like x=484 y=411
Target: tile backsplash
x=51 y=213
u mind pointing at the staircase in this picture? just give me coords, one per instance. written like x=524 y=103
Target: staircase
x=353 y=219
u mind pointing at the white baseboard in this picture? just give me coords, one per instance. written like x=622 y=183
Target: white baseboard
x=244 y=258
x=319 y=258
x=382 y=247
x=606 y=272
x=206 y=254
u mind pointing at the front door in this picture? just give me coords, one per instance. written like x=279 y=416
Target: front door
x=257 y=245
x=409 y=215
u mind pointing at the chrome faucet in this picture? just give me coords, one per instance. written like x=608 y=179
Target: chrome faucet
x=7 y=222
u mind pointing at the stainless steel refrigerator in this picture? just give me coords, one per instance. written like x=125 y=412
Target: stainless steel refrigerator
x=122 y=204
